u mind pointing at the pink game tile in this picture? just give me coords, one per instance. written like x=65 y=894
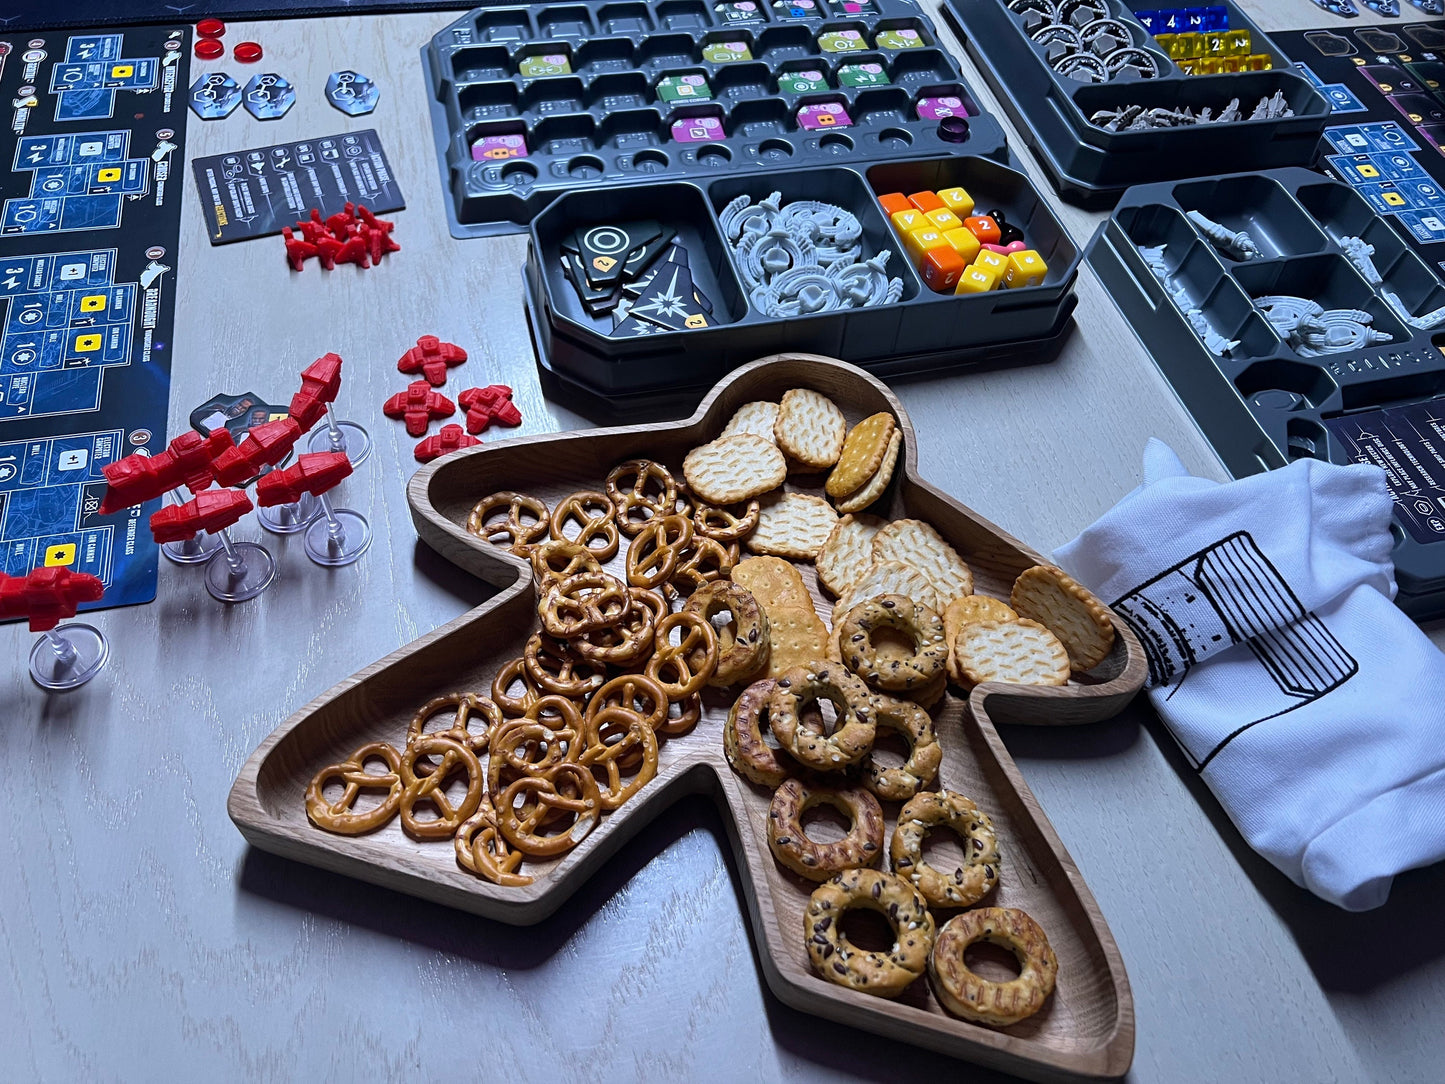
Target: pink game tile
x=697 y=129
x=495 y=148
x=938 y=108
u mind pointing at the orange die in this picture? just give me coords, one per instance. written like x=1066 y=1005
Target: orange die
x=925 y=201
x=905 y=222
x=1025 y=268
x=894 y=202
x=976 y=280
x=941 y=268
x=943 y=219
x=984 y=228
x=963 y=242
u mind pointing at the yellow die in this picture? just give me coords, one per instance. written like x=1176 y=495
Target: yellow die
x=976 y=280
x=920 y=241
x=957 y=200
x=943 y=219
x=905 y=222
x=1025 y=268
x=964 y=241
x=993 y=261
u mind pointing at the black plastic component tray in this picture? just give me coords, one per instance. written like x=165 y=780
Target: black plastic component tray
x=1263 y=405
x=922 y=332
x=1091 y=166
x=606 y=121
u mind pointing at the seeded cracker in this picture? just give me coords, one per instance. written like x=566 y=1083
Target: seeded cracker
x=792 y=525
x=1069 y=610
x=755 y=418
x=810 y=428
x=916 y=543
x=732 y=469
x=848 y=552
x=874 y=487
x=862 y=455
x=1020 y=652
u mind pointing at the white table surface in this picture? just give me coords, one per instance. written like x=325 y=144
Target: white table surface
x=140 y=936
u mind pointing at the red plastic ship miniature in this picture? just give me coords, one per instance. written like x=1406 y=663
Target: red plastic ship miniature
x=352 y=235
x=449 y=439
x=47 y=596
x=486 y=405
x=432 y=358
x=264 y=446
x=314 y=473
x=418 y=405
x=210 y=511
x=139 y=478
x=320 y=384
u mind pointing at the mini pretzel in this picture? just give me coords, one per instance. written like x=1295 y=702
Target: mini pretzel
x=552 y=668
x=635 y=692
x=655 y=550
x=613 y=737
x=341 y=816
x=683 y=668
x=593 y=512
x=972 y=997
x=705 y=561
x=640 y=491
x=689 y=711
x=556 y=560
x=629 y=641
x=534 y=799
x=533 y=746
x=750 y=756
x=725 y=525
x=461 y=706
x=807 y=684
x=886 y=974
x=515 y=532
x=511 y=673
x=924 y=753
x=818 y=861
x=745 y=643
x=897 y=672
x=970 y=882
x=579 y=604
x=481 y=849
x=430 y=787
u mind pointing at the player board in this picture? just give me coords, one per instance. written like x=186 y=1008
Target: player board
x=1386 y=138
x=89 y=225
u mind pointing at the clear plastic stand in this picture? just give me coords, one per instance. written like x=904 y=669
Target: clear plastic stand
x=338 y=536
x=346 y=437
x=241 y=571
x=190 y=551
x=68 y=656
x=289 y=518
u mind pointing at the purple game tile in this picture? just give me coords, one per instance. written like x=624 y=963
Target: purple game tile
x=495 y=148
x=824 y=115
x=697 y=129
x=938 y=108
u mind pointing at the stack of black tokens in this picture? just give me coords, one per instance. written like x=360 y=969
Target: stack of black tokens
x=637 y=273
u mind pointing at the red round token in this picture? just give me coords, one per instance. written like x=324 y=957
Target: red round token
x=247 y=52
x=211 y=28
x=209 y=48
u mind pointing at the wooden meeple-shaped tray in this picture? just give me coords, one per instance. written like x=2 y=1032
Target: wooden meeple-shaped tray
x=1084 y=1031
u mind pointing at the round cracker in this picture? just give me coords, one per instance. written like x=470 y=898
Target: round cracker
x=793 y=525
x=862 y=455
x=874 y=487
x=848 y=552
x=916 y=543
x=810 y=428
x=966 y=609
x=1021 y=652
x=1069 y=610
x=889 y=578
x=755 y=418
x=732 y=469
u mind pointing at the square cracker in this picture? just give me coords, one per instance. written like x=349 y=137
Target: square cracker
x=810 y=428
x=732 y=469
x=772 y=581
x=757 y=418
x=916 y=543
x=792 y=525
x=798 y=636
x=848 y=552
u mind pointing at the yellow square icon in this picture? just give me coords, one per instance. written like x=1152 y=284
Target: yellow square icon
x=109 y=173
x=1394 y=199
x=1367 y=171
x=87 y=343
x=697 y=319
x=63 y=554
x=121 y=71
x=92 y=303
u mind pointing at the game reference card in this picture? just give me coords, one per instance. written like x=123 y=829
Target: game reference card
x=258 y=192
x=1408 y=443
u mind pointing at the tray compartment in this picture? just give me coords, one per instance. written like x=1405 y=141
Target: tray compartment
x=1258 y=205
x=564 y=21
x=624 y=18
x=1327 y=279
x=683 y=15
x=1300 y=385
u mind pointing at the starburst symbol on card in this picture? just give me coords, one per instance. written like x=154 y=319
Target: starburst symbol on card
x=668 y=303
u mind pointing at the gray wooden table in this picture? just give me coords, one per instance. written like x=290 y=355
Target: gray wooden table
x=139 y=936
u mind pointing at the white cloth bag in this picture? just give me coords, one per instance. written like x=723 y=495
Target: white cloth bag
x=1310 y=705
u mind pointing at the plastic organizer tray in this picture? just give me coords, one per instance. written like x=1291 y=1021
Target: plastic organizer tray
x=921 y=332
x=607 y=121
x=1091 y=166
x=1264 y=405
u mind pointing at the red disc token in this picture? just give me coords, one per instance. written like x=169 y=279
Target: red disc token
x=209 y=48
x=247 y=52
x=211 y=28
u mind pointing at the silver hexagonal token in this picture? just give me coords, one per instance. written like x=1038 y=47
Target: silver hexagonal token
x=215 y=95
x=352 y=93
x=269 y=96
